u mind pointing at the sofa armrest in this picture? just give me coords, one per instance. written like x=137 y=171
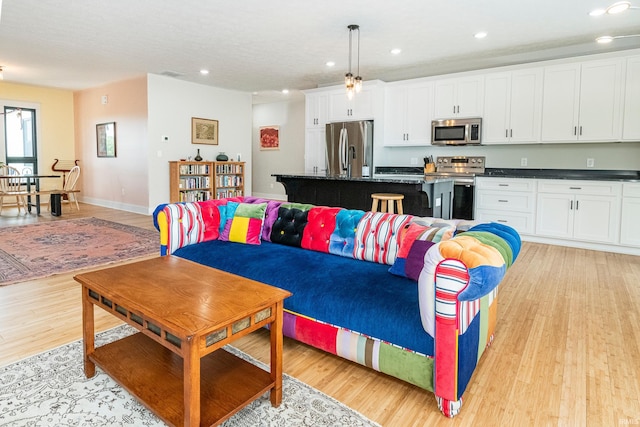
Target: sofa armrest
x=458 y=299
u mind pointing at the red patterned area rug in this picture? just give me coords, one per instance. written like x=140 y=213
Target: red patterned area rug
x=40 y=250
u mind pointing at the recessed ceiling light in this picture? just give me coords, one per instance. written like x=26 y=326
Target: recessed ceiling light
x=330 y=64
x=480 y=35
x=285 y=91
x=204 y=72
x=604 y=39
x=597 y=12
x=396 y=51
x=618 y=7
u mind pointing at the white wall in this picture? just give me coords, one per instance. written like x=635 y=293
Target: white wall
x=172 y=103
x=289 y=116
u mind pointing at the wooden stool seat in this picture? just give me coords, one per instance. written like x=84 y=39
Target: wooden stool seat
x=386 y=202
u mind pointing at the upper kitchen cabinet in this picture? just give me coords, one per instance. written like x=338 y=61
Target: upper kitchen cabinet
x=408 y=113
x=631 y=124
x=316 y=109
x=365 y=105
x=512 y=107
x=459 y=97
x=582 y=102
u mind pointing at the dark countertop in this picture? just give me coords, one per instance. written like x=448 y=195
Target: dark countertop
x=581 y=174
x=400 y=179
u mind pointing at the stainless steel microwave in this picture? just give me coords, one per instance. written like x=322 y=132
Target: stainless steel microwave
x=456 y=131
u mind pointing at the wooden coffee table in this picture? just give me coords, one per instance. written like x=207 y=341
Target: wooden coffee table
x=184 y=312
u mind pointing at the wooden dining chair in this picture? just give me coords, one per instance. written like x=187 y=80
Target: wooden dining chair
x=70 y=185
x=12 y=187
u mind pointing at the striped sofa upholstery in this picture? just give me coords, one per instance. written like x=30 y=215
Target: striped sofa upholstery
x=457 y=287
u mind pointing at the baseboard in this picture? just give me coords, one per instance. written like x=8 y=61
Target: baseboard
x=144 y=210
x=628 y=250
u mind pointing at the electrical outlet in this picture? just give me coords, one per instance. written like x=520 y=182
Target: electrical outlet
x=123 y=191
x=591 y=163
x=523 y=161
x=414 y=160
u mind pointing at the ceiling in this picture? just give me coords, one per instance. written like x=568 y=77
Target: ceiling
x=266 y=46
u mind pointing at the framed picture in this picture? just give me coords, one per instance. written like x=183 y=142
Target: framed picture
x=204 y=131
x=269 y=138
x=106 y=139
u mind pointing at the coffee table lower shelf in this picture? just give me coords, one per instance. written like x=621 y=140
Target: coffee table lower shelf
x=154 y=375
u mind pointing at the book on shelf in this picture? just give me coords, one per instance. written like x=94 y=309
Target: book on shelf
x=194 y=169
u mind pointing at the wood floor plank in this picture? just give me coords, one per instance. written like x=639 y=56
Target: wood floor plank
x=566 y=351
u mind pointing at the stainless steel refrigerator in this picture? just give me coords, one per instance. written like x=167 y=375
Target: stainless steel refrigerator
x=350 y=148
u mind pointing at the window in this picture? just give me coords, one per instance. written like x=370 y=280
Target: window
x=20 y=139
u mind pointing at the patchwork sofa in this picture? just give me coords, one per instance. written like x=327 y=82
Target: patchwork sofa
x=412 y=297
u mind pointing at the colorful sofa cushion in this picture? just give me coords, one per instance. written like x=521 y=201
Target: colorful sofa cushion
x=187 y=226
x=289 y=226
x=376 y=237
x=342 y=241
x=415 y=240
x=270 y=215
x=320 y=226
x=244 y=222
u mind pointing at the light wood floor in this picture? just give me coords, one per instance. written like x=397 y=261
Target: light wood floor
x=566 y=351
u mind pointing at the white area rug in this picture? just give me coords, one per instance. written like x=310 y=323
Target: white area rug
x=50 y=389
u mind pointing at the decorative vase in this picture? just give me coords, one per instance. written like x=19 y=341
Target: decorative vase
x=221 y=157
x=198 y=157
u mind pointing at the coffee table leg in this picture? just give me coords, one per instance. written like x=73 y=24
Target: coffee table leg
x=276 y=357
x=88 y=333
x=191 y=384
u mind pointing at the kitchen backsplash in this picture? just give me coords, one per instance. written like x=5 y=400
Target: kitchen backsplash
x=622 y=156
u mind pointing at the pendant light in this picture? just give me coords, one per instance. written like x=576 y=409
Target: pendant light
x=353 y=84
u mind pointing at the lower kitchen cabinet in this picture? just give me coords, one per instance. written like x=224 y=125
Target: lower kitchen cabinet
x=579 y=210
x=510 y=201
x=630 y=224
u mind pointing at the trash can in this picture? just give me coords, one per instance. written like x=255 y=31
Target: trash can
x=56 y=204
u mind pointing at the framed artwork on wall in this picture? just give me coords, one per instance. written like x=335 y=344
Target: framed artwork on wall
x=106 y=139
x=269 y=138
x=204 y=131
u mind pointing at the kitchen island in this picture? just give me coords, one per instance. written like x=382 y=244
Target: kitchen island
x=422 y=197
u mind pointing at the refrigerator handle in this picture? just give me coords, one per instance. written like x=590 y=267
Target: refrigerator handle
x=344 y=142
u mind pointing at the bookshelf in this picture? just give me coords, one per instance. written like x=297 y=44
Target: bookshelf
x=198 y=181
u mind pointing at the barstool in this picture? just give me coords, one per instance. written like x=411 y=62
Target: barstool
x=386 y=202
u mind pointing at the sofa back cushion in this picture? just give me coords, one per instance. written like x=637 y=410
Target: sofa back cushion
x=414 y=240
x=185 y=225
x=289 y=226
x=321 y=224
x=342 y=241
x=376 y=237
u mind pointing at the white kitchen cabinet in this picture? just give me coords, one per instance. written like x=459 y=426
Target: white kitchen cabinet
x=582 y=102
x=630 y=218
x=408 y=114
x=510 y=201
x=631 y=121
x=512 y=107
x=315 y=151
x=316 y=110
x=579 y=210
x=459 y=97
x=361 y=107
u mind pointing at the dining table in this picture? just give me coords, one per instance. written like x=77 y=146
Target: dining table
x=29 y=181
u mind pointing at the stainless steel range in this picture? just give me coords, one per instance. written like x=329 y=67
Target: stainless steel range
x=463 y=170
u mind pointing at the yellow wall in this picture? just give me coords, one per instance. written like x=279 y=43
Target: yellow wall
x=56 y=128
